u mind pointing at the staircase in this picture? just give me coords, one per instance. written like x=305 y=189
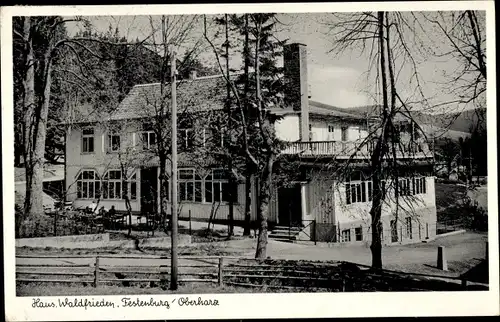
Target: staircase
x=285 y=233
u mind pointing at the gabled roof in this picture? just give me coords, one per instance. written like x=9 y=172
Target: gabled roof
x=196 y=95
x=200 y=94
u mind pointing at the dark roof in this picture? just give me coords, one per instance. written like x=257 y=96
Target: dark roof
x=200 y=94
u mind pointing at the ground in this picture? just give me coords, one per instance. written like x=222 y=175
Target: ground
x=463 y=252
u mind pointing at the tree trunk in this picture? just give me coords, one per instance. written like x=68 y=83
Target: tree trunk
x=377 y=158
x=248 y=204
x=376 y=214
x=264 y=198
x=37 y=147
x=29 y=113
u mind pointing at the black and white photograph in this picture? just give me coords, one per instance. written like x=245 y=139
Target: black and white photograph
x=172 y=157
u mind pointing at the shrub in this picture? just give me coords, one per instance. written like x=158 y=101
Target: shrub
x=476 y=217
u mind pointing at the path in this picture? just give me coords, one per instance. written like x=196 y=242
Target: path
x=463 y=252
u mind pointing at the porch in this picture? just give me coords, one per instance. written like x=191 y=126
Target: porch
x=354 y=149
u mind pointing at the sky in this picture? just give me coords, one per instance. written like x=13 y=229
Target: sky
x=340 y=80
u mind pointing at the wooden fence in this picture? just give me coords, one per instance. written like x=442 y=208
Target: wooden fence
x=219 y=270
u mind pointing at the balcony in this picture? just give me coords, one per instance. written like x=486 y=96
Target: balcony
x=354 y=149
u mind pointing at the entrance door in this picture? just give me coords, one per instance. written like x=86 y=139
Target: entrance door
x=290 y=206
x=394 y=231
x=149 y=190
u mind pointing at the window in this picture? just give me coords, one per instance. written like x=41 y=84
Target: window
x=359 y=233
x=87 y=185
x=88 y=140
x=357 y=191
x=346 y=235
x=186 y=184
x=112 y=185
x=344 y=133
x=113 y=142
x=331 y=128
x=148 y=140
x=370 y=190
x=419 y=185
x=132 y=185
x=404 y=187
x=217 y=187
x=409 y=231
x=186 y=138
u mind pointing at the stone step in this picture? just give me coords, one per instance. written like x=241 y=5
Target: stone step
x=293 y=228
x=283 y=236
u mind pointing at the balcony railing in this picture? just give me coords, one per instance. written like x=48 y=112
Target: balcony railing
x=355 y=149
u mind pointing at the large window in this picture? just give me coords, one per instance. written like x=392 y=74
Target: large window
x=409 y=231
x=190 y=185
x=217 y=187
x=87 y=185
x=112 y=185
x=88 y=140
x=132 y=187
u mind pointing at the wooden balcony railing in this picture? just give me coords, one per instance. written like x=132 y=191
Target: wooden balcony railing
x=355 y=149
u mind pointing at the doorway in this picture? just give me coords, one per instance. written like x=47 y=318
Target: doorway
x=394 y=231
x=149 y=190
x=290 y=206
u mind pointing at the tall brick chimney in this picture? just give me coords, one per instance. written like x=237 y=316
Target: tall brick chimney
x=296 y=86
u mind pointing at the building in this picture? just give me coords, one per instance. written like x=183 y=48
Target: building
x=321 y=138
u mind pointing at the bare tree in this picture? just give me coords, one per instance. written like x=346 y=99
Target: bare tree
x=37 y=75
x=383 y=36
x=464 y=41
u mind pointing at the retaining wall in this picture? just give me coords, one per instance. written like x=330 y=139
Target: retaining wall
x=98 y=241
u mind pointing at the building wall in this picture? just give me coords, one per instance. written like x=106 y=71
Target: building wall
x=100 y=161
x=327 y=203
x=319 y=130
x=287 y=128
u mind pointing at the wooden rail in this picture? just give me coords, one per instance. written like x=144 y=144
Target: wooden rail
x=358 y=149
x=225 y=272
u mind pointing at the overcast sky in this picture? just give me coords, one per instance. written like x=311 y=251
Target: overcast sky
x=339 y=80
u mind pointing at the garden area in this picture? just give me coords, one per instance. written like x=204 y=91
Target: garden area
x=461 y=208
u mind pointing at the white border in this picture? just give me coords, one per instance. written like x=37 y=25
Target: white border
x=253 y=305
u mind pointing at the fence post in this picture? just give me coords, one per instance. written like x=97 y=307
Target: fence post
x=314 y=231
x=464 y=283
x=442 y=263
x=189 y=212
x=96 y=272
x=221 y=265
x=55 y=223
x=426 y=230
